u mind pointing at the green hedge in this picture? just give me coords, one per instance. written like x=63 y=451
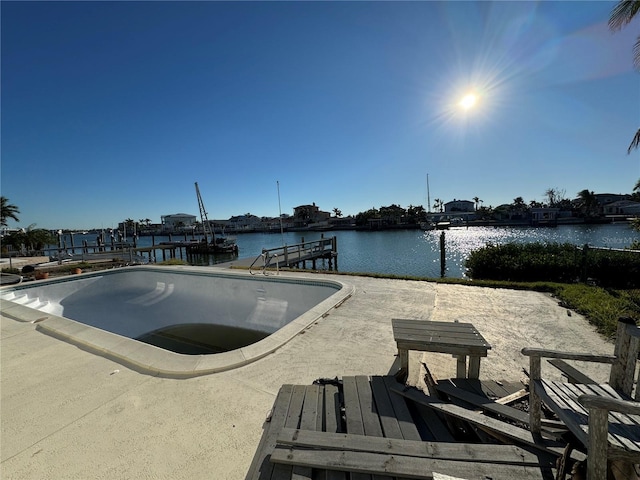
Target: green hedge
x=554 y=262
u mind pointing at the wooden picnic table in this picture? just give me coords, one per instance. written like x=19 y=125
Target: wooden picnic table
x=459 y=339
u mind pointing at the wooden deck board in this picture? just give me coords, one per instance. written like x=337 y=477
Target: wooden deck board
x=408 y=467
x=484 y=403
x=308 y=438
x=517 y=434
x=480 y=453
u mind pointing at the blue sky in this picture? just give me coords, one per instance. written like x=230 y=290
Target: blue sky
x=112 y=110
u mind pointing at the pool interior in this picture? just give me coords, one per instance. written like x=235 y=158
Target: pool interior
x=193 y=313
x=199 y=339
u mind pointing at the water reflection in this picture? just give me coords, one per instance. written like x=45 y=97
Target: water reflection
x=414 y=252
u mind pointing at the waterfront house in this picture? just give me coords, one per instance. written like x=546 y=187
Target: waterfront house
x=459 y=206
x=622 y=207
x=177 y=222
x=544 y=215
x=303 y=215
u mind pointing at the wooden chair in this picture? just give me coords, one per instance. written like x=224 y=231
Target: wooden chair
x=604 y=418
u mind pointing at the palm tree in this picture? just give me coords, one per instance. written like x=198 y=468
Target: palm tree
x=8 y=211
x=620 y=16
x=477 y=201
x=588 y=201
x=337 y=212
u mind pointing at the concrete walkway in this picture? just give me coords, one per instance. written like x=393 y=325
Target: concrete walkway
x=70 y=414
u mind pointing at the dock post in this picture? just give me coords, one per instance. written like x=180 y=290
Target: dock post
x=442 y=255
x=583 y=263
x=334 y=252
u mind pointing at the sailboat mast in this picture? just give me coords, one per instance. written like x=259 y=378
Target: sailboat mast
x=428 y=196
x=203 y=217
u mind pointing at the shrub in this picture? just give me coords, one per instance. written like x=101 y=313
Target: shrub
x=553 y=262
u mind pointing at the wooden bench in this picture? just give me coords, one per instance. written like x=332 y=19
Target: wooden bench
x=602 y=417
x=361 y=429
x=461 y=340
x=572 y=373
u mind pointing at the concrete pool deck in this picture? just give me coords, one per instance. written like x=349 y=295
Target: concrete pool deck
x=69 y=413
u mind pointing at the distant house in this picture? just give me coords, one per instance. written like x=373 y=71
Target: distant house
x=303 y=215
x=544 y=215
x=459 y=206
x=248 y=222
x=622 y=207
x=177 y=222
x=342 y=221
x=606 y=198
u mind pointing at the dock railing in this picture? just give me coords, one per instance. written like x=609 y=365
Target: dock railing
x=289 y=255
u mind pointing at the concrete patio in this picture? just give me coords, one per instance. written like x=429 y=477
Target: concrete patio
x=68 y=413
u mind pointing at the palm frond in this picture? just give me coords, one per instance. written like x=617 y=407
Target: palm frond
x=636 y=54
x=623 y=13
x=635 y=143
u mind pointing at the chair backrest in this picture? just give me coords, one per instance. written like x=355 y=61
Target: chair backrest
x=623 y=371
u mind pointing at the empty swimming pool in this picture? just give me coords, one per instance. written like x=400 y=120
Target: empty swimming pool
x=160 y=319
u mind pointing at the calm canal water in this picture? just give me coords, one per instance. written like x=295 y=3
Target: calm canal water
x=414 y=252
x=417 y=253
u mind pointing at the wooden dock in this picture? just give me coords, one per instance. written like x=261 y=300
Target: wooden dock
x=377 y=428
x=295 y=256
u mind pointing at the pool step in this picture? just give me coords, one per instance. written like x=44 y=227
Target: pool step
x=26 y=300
x=11 y=296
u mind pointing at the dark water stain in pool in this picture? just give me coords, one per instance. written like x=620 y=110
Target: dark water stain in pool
x=197 y=338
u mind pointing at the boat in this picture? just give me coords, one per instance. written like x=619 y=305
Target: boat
x=217 y=245
x=427 y=226
x=443 y=225
x=211 y=243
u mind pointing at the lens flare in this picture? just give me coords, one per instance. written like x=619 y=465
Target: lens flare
x=469 y=101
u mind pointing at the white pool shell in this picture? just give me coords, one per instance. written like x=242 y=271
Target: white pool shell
x=148 y=287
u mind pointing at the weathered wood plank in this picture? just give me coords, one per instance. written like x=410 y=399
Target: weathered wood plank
x=585 y=357
x=260 y=466
x=623 y=416
x=388 y=419
x=281 y=471
x=370 y=418
x=484 y=403
x=517 y=434
x=452 y=349
x=353 y=414
x=573 y=374
x=332 y=420
x=332 y=424
x=401 y=411
x=402 y=466
x=438 y=333
x=436 y=428
x=623 y=431
x=514 y=397
x=368 y=410
x=310 y=419
x=468 y=452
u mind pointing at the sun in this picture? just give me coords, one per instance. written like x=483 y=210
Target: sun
x=468 y=101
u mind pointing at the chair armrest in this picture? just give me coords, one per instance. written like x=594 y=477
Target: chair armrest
x=585 y=357
x=610 y=404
